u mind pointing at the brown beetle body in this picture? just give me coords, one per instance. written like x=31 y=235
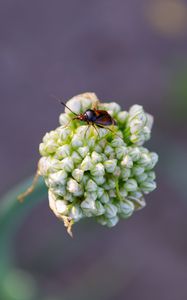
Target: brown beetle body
x=97 y=117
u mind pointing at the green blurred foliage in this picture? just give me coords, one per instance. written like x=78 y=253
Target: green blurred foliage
x=18 y=285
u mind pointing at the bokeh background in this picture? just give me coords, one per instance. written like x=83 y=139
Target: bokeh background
x=129 y=51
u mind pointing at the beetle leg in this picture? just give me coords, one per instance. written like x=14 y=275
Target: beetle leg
x=110 y=130
x=67 y=124
x=87 y=128
x=95 y=127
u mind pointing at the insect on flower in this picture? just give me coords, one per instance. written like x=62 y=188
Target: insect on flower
x=102 y=178
x=94 y=117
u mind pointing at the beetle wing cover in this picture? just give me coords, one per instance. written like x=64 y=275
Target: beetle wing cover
x=103 y=118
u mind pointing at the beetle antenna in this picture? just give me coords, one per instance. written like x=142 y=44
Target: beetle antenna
x=67 y=107
x=61 y=102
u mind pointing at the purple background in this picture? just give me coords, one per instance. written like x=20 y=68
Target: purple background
x=118 y=50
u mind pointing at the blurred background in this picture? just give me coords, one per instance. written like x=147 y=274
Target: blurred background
x=128 y=51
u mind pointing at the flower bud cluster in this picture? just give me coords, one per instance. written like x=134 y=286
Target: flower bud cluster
x=93 y=172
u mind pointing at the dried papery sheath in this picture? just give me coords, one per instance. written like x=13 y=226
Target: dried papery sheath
x=97 y=172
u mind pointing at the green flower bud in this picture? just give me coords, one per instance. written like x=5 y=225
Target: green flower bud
x=135 y=153
x=104 y=157
x=69 y=197
x=136 y=194
x=145 y=160
x=137 y=170
x=154 y=160
x=67 y=164
x=146 y=132
x=91 y=142
x=117 y=142
x=76 y=142
x=137 y=139
x=42 y=149
x=123 y=191
x=112 y=194
x=88 y=206
x=109 y=184
x=62 y=152
x=95 y=172
x=141 y=178
x=90 y=195
x=77 y=174
x=131 y=185
x=125 y=174
x=136 y=113
x=58 y=178
x=58 y=190
x=138 y=125
x=108 y=150
x=99 y=180
x=98 y=148
x=87 y=163
x=103 y=143
x=50 y=136
x=139 y=203
x=151 y=175
x=83 y=151
x=113 y=108
x=64 y=133
x=127 y=161
x=91 y=186
x=105 y=198
x=76 y=157
x=122 y=116
x=121 y=151
x=99 y=208
x=110 y=165
x=100 y=192
x=98 y=170
x=43 y=166
x=125 y=209
x=111 y=222
x=110 y=210
x=73 y=187
x=87 y=102
x=74 y=105
x=148 y=186
x=96 y=157
x=117 y=172
x=50 y=146
x=75 y=213
x=64 y=119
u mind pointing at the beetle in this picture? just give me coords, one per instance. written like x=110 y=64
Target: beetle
x=94 y=117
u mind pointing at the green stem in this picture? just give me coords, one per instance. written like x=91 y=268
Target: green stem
x=12 y=214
